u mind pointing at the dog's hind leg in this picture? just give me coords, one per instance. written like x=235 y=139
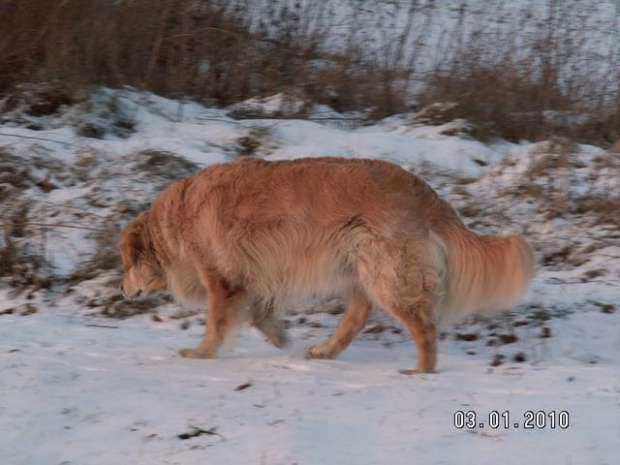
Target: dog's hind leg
x=265 y=320
x=416 y=313
x=418 y=319
x=225 y=309
x=401 y=284
x=413 y=306
x=353 y=320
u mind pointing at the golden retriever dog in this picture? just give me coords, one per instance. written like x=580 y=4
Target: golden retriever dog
x=252 y=236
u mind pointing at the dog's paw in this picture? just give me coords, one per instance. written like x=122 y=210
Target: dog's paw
x=192 y=353
x=318 y=351
x=281 y=340
x=414 y=372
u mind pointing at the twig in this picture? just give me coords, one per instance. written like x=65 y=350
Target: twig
x=336 y=118
x=560 y=281
x=194 y=432
x=157 y=43
x=37 y=138
x=50 y=225
x=217 y=119
x=77 y=209
x=279 y=117
x=93 y=325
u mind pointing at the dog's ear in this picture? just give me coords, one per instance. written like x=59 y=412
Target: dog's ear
x=133 y=242
x=134 y=246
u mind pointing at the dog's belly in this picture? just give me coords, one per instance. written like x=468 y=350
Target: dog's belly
x=313 y=275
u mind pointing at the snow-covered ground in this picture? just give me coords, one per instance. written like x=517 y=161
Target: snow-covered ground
x=82 y=388
x=78 y=393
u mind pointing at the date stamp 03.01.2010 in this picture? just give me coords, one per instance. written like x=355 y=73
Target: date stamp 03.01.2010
x=505 y=420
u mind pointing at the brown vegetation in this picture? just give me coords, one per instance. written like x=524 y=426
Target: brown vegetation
x=208 y=52
x=531 y=78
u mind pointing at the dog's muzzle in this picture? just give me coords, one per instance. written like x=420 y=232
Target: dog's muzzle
x=122 y=289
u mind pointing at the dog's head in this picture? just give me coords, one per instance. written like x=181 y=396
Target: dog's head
x=142 y=272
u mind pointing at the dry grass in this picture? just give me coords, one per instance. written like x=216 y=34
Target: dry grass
x=208 y=51
x=606 y=209
x=522 y=78
x=553 y=178
x=533 y=78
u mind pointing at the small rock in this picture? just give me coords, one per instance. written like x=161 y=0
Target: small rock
x=27 y=309
x=466 y=337
x=507 y=338
x=546 y=332
x=336 y=310
x=378 y=328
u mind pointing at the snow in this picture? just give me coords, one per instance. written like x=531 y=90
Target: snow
x=106 y=395
x=81 y=388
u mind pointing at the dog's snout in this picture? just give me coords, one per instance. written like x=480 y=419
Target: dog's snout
x=121 y=288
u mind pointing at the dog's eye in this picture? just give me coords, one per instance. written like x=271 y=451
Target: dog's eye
x=129 y=266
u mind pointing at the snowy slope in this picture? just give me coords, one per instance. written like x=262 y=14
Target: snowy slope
x=80 y=388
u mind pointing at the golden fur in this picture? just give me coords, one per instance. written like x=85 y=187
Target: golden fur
x=251 y=236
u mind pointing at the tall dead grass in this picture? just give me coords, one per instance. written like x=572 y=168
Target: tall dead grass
x=212 y=51
x=528 y=77
x=536 y=76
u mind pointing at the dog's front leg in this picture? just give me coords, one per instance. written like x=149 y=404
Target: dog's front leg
x=225 y=305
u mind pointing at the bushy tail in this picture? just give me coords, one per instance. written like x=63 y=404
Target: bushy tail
x=482 y=272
